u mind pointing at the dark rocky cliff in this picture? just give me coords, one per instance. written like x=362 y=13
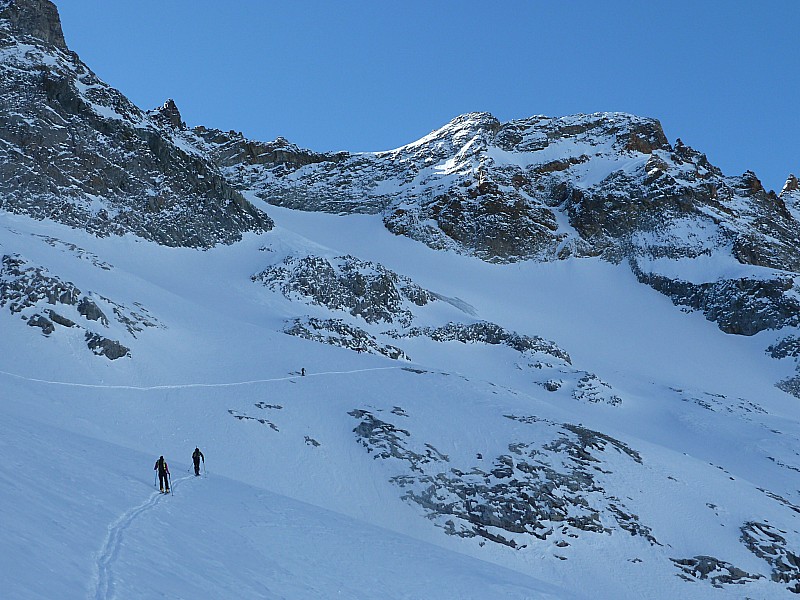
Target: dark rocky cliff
x=77 y=151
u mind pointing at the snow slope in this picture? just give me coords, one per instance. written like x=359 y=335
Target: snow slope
x=294 y=506
x=213 y=538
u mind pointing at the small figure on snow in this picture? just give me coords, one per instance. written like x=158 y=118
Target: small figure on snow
x=302 y=371
x=163 y=474
x=196 y=456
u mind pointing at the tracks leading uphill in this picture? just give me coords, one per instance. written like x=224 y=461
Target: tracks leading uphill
x=103 y=585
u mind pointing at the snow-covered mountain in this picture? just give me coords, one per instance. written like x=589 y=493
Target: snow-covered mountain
x=546 y=358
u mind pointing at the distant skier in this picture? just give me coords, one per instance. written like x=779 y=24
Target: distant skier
x=163 y=474
x=196 y=456
x=303 y=371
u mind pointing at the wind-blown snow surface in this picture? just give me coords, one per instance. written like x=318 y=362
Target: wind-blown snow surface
x=292 y=505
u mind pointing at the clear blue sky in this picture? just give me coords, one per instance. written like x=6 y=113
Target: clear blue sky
x=723 y=75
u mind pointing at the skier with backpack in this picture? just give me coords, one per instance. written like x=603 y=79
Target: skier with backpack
x=196 y=456
x=163 y=474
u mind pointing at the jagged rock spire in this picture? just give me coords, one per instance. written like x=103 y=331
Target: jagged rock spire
x=791 y=185
x=168 y=114
x=36 y=18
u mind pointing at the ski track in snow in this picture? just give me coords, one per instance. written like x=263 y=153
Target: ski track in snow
x=103 y=588
x=103 y=583
x=189 y=385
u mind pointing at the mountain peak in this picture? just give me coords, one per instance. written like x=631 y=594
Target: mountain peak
x=35 y=18
x=168 y=114
x=791 y=185
x=484 y=119
x=474 y=121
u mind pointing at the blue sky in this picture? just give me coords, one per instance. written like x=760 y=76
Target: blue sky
x=723 y=75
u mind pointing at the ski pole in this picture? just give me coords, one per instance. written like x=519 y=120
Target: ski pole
x=169 y=476
x=155 y=479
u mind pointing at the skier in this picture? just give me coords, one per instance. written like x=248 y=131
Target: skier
x=163 y=474
x=196 y=456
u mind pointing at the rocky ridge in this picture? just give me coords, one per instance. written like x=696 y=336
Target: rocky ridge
x=76 y=151
x=548 y=493
x=606 y=185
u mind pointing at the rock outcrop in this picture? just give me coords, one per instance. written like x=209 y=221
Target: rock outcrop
x=549 y=490
x=33 y=19
x=766 y=542
x=365 y=290
x=35 y=294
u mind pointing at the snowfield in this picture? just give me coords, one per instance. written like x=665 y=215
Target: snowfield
x=299 y=501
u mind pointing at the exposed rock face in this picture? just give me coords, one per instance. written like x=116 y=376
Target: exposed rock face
x=336 y=332
x=168 y=115
x=548 y=365
x=766 y=542
x=740 y=306
x=43 y=323
x=790 y=196
x=26 y=290
x=76 y=151
x=546 y=490
x=101 y=346
x=717 y=572
x=365 y=290
x=243 y=160
x=37 y=19
x=23 y=285
x=788 y=346
x=791 y=185
x=490 y=333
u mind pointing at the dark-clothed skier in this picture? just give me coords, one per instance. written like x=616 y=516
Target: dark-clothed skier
x=163 y=474
x=196 y=456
